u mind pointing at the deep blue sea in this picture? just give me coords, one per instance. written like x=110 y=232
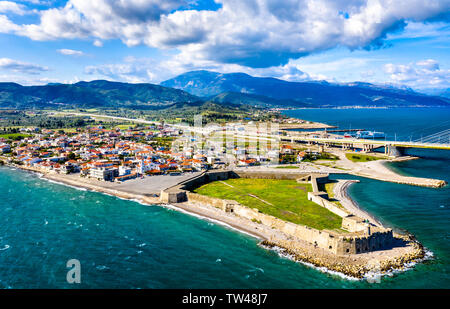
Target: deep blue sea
x=123 y=244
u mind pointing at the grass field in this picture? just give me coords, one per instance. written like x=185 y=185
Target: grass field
x=284 y=199
x=14 y=136
x=361 y=157
x=125 y=126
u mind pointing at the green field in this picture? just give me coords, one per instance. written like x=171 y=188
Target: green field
x=125 y=126
x=361 y=157
x=14 y=136
x=284 y=199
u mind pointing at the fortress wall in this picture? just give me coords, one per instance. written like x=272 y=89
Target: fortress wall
x=202 y=179
x=327 y=240
x=270 y=175
x=327 y=204
x=225 y=205
x=207 y=177
x=322 y=239
x=337 y=244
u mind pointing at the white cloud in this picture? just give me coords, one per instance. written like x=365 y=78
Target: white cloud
x=132 y=70
x=147 y=70
x=252 y=33
x=70 y=52
x=21 y=67
x=98 y=43
x=7 y=26
x=12 y=7
x=421 y=75
x=429 y=64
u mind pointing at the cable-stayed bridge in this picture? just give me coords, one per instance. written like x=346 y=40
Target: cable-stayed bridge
x=440 y=140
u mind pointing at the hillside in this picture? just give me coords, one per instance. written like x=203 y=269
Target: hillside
x=238 y=98
x=99 y=93
x=318 y=94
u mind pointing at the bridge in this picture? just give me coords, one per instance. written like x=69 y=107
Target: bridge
x=440 y=140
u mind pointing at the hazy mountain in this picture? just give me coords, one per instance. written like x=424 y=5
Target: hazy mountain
x=208 y=84
x=445 y=93
x=99 y=93
x=238 y=98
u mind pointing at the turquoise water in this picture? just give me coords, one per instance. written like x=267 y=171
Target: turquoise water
x=123 y=244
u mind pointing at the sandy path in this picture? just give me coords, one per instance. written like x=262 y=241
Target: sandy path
x=378 y=170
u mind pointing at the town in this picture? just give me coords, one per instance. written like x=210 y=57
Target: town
x=121 y=153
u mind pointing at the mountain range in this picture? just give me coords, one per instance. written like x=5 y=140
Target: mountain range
x=302 y=94
x=99 y=93
x=199 y=87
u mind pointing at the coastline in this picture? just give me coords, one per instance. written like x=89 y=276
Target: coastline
x=358 y=266
x=340 y=191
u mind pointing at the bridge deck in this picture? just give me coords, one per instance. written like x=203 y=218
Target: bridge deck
x=379 y=143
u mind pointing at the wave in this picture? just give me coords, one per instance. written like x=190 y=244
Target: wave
x=282 y=253
x=64 y=184
x=6 y=247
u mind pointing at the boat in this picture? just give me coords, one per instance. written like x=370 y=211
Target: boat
x=370 y=134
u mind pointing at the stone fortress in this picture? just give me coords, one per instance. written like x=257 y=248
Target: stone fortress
x=356 y=236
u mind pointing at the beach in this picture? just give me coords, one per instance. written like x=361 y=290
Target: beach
x=340 y=193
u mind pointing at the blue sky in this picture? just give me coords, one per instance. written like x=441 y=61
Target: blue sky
x=403 y=43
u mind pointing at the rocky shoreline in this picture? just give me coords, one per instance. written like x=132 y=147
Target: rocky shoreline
x=353 y=270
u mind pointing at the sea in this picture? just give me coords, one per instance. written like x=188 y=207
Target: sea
x=124 y=244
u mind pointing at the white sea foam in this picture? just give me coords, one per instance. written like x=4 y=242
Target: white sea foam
x=102 y=267
x=65 y=184
x=282 y=253
x=6 y=247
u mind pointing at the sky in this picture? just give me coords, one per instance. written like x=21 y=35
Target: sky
x=404 y=43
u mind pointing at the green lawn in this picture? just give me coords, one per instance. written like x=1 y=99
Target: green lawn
x=14 y=136
x=125 y=126
x=287 y=166
x=361 y=157
x=284 y=199
x=329 y=189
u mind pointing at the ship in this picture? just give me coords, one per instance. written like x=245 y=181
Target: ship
x=370 y=134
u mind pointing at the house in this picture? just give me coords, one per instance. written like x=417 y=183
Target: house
x=245 y=162
x=125 y=177
x=300 y=156
x=286 y=149
x=5 y=148
x=124 y=170
x=104 y=173
x=32 y=161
